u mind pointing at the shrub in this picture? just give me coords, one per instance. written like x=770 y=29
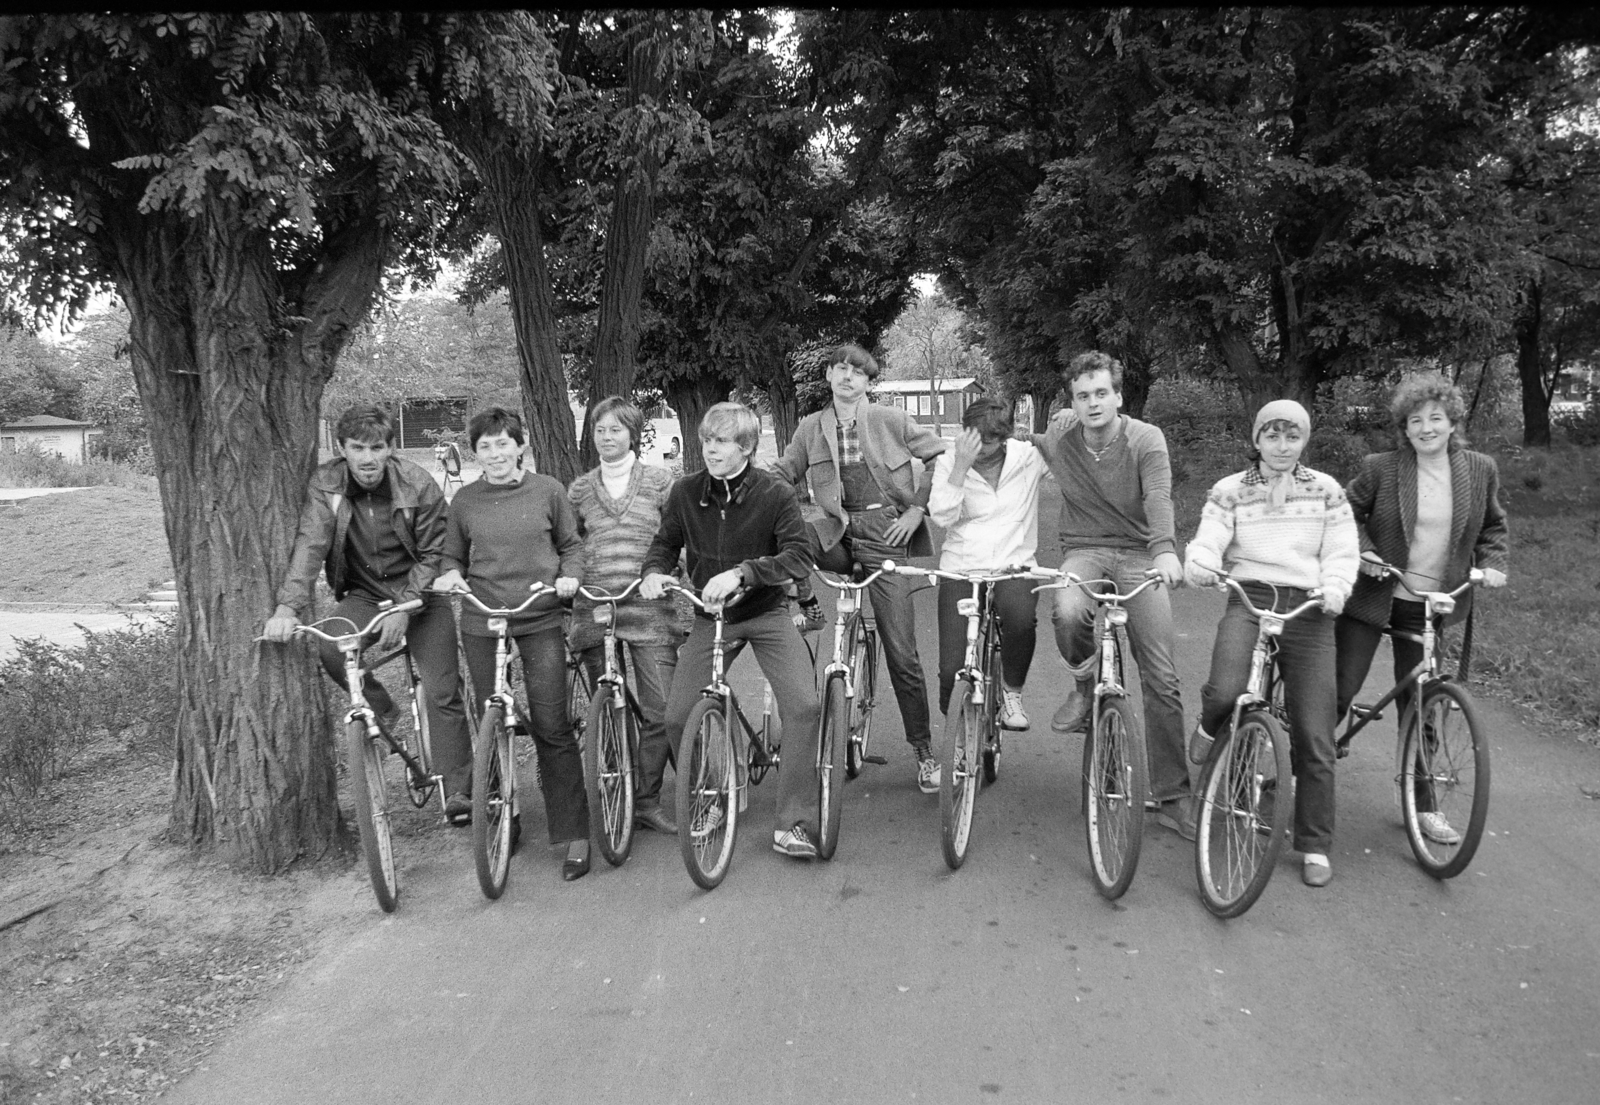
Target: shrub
x=1583 y=429
x=30 y=466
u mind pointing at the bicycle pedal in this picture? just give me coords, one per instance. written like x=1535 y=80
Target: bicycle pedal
x=1365 y=712
x=875 y=760
x=1342 y=749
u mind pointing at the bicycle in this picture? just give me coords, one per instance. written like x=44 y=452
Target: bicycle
x=1438 y=769
x=367 y=745
x=849 y=686
x=1116 y=782
x=1244 y=785
x=496 y=823
x=611 y=739
x=972 y=753
x=712 y=776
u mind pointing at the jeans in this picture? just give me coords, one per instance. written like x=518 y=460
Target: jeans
x=785 y=662
x=891 y=608
x=1357 y=642
x=1306 y=666
x=544 y=677
x=431 y=640
x=1151 y=636
x=652 y=667
x=1014 y=606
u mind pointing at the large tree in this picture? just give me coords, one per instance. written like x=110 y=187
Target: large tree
x=241 y=181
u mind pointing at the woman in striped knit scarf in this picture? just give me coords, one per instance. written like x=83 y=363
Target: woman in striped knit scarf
x=1282 y=530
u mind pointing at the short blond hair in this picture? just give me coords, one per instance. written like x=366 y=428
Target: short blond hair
x=735 y=421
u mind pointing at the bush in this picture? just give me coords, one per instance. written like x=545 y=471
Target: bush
x=1583 y=429
x=30 y=466
x=120 y=684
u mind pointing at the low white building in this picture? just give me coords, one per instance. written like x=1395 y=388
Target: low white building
x=64 y=437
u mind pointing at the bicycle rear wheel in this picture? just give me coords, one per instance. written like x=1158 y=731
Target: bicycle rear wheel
x=708 y=797
x=961 y=778
x=608 y=773
x=1444 y=771
x=864 y=677
x=1244 y=806
x=420 y=787
x=372 y=812
x=831 y=750
x=1114 y=792
x=494 y=802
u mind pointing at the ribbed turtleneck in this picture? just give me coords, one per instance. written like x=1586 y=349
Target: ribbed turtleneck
x=614 y=475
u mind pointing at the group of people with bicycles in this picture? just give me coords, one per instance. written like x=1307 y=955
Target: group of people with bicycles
x=738 y=537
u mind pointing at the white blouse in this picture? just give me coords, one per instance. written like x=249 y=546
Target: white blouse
x=989 y=526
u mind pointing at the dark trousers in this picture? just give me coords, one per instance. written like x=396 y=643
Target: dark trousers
x=892 y=610
x=1306 y=666
x=652 y=667
x=1014 y=606
x=544 y=677
x=1357 y=643
x=431 y=640
x=787 y=665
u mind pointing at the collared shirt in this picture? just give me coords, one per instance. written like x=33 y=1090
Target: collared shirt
x=849 y=443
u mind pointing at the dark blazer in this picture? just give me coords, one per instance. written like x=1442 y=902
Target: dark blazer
x=1384 y=498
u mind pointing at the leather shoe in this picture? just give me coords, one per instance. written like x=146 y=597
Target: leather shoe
x=458 y=809
x=575 y=867
x=657 y=818
x=1072 y=714
x=1316 y=874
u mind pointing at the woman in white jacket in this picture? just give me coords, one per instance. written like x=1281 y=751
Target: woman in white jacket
x=985 y=496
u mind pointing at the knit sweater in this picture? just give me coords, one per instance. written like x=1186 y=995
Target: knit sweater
x=616 y=536
x=1121 y=501
x=1309 y=542
x=503 y=538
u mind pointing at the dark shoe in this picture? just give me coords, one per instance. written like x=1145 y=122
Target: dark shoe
x=458 y=809
x=808 y=616
x=575 y=867
x=1072 y=715
x=1316 y=874
x=1200 y=743
x=657 y=818
x=1177 y=815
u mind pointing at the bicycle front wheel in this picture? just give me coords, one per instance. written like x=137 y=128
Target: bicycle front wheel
x=1444 y=780
x=961 y=777
x=708 y=796
x=1244 y=806
x=832 y=742
x=608 y=773
x=420 y=787
x=494 y=802
x=864 y=677
x=1114 y=792
x=372 y=812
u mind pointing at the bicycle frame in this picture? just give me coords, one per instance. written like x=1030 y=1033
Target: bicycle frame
x=1110 y=615
x=979 y=612
x=499 y=619
x=612 y=675
x=763 y=755
x=1269 y=627
x=849 y=606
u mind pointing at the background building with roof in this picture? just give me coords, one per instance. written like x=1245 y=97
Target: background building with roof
x=66 y=437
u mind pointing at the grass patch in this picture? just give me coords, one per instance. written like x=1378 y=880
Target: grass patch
x=103 y=544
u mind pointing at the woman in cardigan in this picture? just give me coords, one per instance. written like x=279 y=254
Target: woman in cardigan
x=618 y=506
x=1282 y=530
x=1432 y=508
x=507 y=531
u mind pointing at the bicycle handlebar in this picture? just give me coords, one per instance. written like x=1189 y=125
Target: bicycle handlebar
x=597 y=595
x=986 y=575
x=701 y=603
x=334 y=638
x=539 y=590
x=1226 y=581
x=1474 y=576
x=839 y=583
x=1068 y=579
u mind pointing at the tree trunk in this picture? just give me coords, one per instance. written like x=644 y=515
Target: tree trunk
x=509 y=181
x=233 y=375
x=691 y=398
x=1260 y=383
x=783 y=398
x=1530 y=367
x=616 y=340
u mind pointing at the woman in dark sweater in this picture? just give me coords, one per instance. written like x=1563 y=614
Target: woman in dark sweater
x=508 y=530
x=1433 y=508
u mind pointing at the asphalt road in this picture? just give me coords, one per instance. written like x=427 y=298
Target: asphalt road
x=882 y=976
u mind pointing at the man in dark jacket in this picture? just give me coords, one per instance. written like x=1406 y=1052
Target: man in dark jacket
x=375 y=523
x=745 y=540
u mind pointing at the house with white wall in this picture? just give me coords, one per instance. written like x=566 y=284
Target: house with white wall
x=65 y=437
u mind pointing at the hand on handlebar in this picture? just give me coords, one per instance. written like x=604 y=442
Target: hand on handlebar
x=720 y=588
x=566 y=587
x=1493 y=577
x=1197 y=575
x=450 y=581
x=1170 y=568
x=392 y=632
x=281 y=626
x=654 y=585
x=1372 y=565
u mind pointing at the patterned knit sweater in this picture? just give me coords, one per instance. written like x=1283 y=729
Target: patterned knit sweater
x=616 y=536
x=1310 y=541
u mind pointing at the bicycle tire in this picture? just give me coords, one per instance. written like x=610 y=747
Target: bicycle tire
x=708 y=794
x=1236 y=847
x=372 y=812
x=1454 y=768
x=1115 y=786
x=608 y=774
x=832 y=743
x=419 y=793
x=961 y=778
x=864 y=677
x=494 y=802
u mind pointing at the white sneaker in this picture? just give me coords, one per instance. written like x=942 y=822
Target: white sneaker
x=1011 y=715
x=928 y=775
x=1437 y=829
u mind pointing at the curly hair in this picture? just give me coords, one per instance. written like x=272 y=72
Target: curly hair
x=1414 y=391
x=1087 y=364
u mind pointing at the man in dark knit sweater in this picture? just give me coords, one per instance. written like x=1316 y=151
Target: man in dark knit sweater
x=1116 y=524
x=375 y=523
x=744 y=538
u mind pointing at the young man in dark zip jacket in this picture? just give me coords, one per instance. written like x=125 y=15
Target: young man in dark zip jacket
x=744 y=538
